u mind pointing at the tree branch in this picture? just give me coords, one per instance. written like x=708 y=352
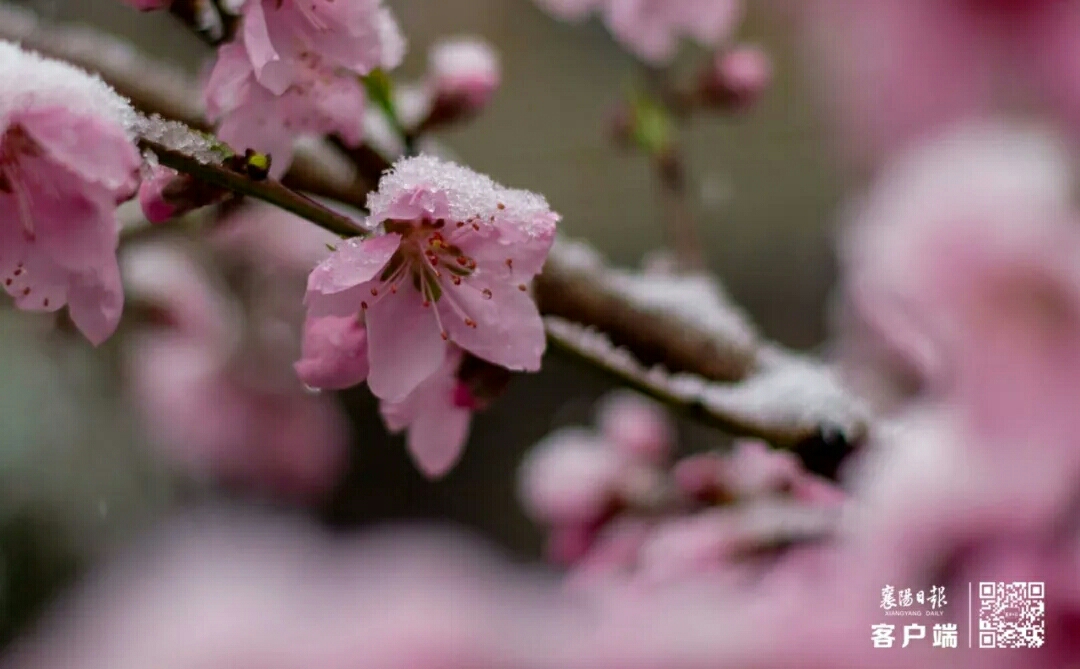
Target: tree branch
x=266 y=190
x=691 y=347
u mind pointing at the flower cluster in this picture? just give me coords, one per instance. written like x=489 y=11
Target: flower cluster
x=618 y=507
x=652 y=29
x=294 y=70
x=208 y=366
x=446 y=271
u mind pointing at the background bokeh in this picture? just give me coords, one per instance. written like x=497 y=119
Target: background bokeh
x=73 y=472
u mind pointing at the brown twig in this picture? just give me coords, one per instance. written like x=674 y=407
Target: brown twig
x=266 y=190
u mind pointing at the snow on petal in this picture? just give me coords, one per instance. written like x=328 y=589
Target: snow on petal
x=66 y=160
x=355 y=261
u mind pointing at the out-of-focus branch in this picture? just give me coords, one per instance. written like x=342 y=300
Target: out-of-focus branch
x=157 y=87
x=685 y=323
x=679 y=339
x=676 y=337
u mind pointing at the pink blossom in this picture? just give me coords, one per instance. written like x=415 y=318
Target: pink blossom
x=235 y=591
x=984 y=203
x=899 y=70
x=985 y=295
x=436 y=414
x=155 y=204
x=318 y=102
x=737 y=78
x=66 y=160
x=165 y=194
x=213 y=424
x=569 y=478
x=452 y=264
x=638 y=428
x=651 y=29
x=285 y=39
x=212 y=379
x=464 y=71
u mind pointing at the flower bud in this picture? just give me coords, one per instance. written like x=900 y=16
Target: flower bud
x=166 y=193
x=736 y=79
x=465 y=73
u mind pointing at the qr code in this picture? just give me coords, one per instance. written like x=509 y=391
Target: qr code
x=1012 y=615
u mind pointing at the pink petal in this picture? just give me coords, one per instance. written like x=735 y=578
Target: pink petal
x=569 y=478
x=340 y=103
x=355 y=262
x=95 y=304
x=508 y=329
x=98 y=151
x=229 y=81
x=405 y=345
x=77 y=232
x=270 y=69
x=30 y=276
x=437 y=439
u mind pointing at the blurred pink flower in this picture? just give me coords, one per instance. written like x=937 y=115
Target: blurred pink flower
x=436 y=414
x=737 y=78
x=252 y=116
x=964 y=248
x=464 y=71
x=235 y=592
x=208 y=379
x=898 y=70
x=66 y=160
x=652 y=29
x=213 y=424
x=569 y=478
x=285 y=40
x=452 y=265
x=635 y=426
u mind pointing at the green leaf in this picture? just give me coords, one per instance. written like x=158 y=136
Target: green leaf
x=653 y=129
x=380 y=90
